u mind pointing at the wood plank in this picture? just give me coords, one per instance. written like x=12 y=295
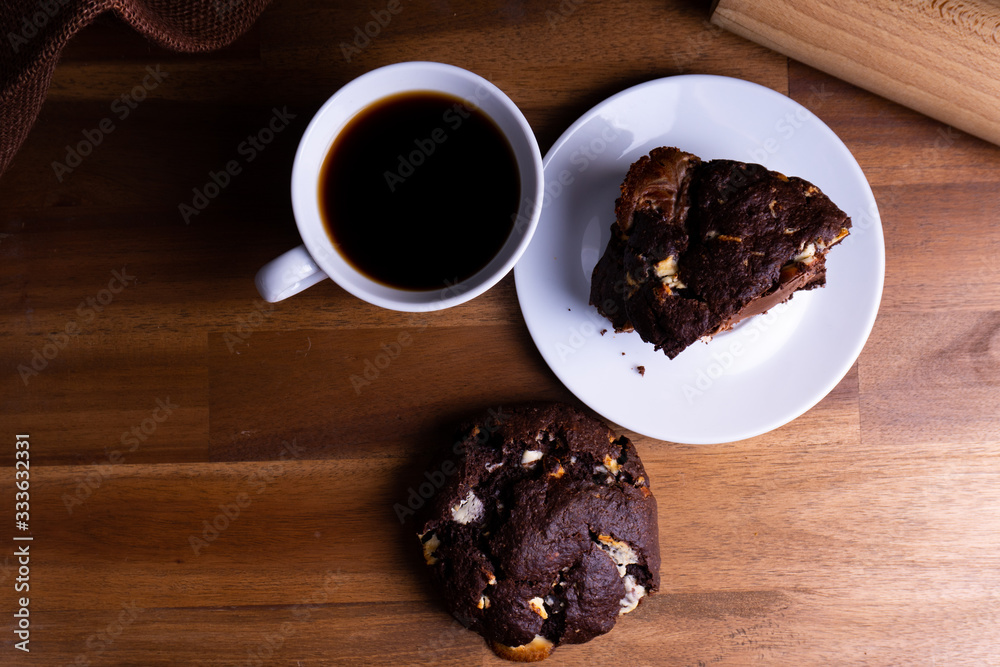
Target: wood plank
x=674 y=38
x=150 y=404
x=303 y=633
x=941 y=385
x=366 y=392
x=282 y=524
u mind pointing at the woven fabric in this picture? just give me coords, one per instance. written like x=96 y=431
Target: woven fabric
x=34 y=33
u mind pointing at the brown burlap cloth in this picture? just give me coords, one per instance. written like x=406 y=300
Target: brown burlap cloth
x=34 y=32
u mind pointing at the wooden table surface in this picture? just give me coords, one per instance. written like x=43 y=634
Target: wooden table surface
x=208 y=487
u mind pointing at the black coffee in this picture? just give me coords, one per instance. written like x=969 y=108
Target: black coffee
x=420 y=190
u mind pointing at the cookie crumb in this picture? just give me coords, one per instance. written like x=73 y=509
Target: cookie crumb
x=641 y=369
x=604 y=331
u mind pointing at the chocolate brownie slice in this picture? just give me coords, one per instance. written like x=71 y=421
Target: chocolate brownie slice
x=545 y=533
x=698 y=246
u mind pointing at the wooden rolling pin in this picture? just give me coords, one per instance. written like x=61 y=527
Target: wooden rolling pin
x=940 y=57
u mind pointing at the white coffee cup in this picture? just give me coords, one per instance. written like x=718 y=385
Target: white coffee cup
x=318 y=258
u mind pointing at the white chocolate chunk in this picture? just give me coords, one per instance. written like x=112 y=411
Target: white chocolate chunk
x=537 y=649
x=621 y=553
x=538 y=606
x=469 y=510
x=806 y=255
x=633 y=593
x=530 y=456
x=484 y=602
x=430 y=546
x=667 y=267
x=666 y=271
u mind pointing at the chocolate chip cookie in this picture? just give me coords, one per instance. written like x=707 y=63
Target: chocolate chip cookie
x=545 y=531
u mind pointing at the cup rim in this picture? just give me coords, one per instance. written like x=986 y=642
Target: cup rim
x=359 y=94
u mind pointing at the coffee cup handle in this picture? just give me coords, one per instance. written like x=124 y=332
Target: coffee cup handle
x=288 y=274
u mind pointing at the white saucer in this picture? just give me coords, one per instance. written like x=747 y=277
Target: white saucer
x=771 y=368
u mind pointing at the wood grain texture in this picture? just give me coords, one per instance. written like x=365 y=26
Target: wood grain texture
x=258 y=524
x=938 y=56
